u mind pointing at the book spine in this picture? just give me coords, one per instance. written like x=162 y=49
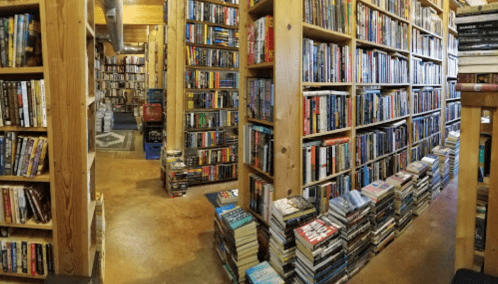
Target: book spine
x=25 y=103
x=33 y=260
x=24 y=265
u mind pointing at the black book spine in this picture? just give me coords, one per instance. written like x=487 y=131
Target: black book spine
x=39 y=260
x=24 y=254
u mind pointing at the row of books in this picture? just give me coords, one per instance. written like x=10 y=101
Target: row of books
x=21 y=203
x=228 y=196
x=326 y=62
x=425 y=126
x=24 y=257
x=261 y=195
x=424 y=147
x=320 y=194
x=220 y=118
x=453 y=110
x=216 y=36
x=209 y=57
x=325 y=111
x=374 y=26
x=134 y=69
x=258 y=147
x=426 y=45
x=426 y=72
x=375 y=105
x=23 y=155
x=377 y=66
x=451 y=92
x=426 y=99
x=443 y=154
x=329 y=14
x=477 y=32
x=212 y=173
x=260 y=103
x=196 y=79
x=452 y=66
x=23 y=103
x=212 y=100
x=203 y=139
x=421 y=192
x=133 y=60
x=398 y=7
x=260 y=41
x=427 y=18
x=213 y=13
x=212 y=156
x=325 y=158
x=381 y=169
x=20 y=41
x=477 y=77
x=452 y=44
x=484 y=157
x=380 y=141
x=454 y=126
x=432 y=161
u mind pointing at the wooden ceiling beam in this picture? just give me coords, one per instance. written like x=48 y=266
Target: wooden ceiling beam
x=135 y=15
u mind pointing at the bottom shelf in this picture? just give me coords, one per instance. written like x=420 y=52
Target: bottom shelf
x=210 y=182
x=22 y=275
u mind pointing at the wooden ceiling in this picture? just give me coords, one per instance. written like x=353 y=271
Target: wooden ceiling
x=135 y=12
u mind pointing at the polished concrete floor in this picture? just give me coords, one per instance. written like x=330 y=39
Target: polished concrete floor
x=151 y=238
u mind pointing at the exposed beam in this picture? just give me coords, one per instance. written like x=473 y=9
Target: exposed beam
x=135 y=15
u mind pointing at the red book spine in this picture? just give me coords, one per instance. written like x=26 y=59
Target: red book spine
x=269 y=39
x=313 y=161
x=33 y=259
x=350 y=111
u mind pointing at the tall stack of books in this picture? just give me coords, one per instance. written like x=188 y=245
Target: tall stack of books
x=403 y=200
x=443 y=153
x=453 y=142
x=319 y=256
x=287 y=214
x=236 y=240
x=351 y=211
x=432 y=162
x=381 y=214
x=263 y=273
x=421 y=192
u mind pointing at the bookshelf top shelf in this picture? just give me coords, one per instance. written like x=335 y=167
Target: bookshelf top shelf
x=373 y=6
x=264 y=7
x=316 y=32
x=22 y=70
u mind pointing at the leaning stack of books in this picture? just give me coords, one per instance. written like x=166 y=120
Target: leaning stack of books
x=381 y=214
x=239 y=244
x=351 y=211
x=453 y=142
x=263 y=273
x=403 y=200
x=432 y=162
x=421 y=192
x=319 y=256
x=287 y=214
x=443 y=154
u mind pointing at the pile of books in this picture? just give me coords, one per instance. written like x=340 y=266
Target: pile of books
x=381 y=214
x=421 y=192
x=177 y=184
x=453 y=143
x=403 y=200
x=236 y=240
x=263 y=273
x=228 y=196
x=287 y=214
x=432 y=162
x=351 y=211
x=319 y=256
x=443 y=154
x=104 y=119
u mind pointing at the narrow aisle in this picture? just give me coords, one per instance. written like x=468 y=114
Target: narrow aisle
x=151 y=238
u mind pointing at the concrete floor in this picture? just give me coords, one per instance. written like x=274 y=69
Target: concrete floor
x=151 y=238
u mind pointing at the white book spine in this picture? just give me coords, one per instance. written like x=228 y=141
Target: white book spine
x=25 y=103
x=33 y=104
x=43 y=103
x=323 y=162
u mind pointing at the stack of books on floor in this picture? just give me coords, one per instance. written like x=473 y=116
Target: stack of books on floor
x=381 y=214
x=263 y=273
x=351 y=212
x=453 y=142
x=403 y=200
x=421 y=192
x=228 y=196
x=443 y=154
x=219 y=239
x=236 y=240
x=287 y=214
x=432 y=162
x=177 y=183
x=319 y=256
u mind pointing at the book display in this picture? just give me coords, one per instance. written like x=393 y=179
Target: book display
x=453 y=142
x=403 y=200
x=421 y=192
x=443 y=153
x=432 y=161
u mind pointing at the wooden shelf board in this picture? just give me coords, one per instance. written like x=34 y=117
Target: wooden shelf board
x=213 y=164
x=23 y=275
x=5 y=5
x=426 y=85
x=90 y=160
x=209 y=128
x=20 y=128
x=453 y=31
x=22 y=70
x=317 y=32
x=326 y=133
x=373 y=6
x=213 y=46
x=360 y=43
x=263 y=65
x=327 y=178
x=260 y=121
x=259 y=217
x=427 y=58
x=325 y=84
x=30 y=224
x=212 y=24
x=384 y=84
x=91 y=211
x=263 y=8
x=259 y=171
x=454 y=4
x=382 y=122
x=210 y=68
x=453 y=99
x=211 y=182
x=210 y=89
x=89 y=31
x=41 y=178
x=382 y=157
x=90 y=100
x=426 y=138
x=93 y=253
x=449 y=77
x=210 y=109
x=208 y=147
x=427 y=31
x=428 y=3
x=451 y=121
x=222 y=3
x=426 y=112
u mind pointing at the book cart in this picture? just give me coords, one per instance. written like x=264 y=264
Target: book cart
x=473 y=103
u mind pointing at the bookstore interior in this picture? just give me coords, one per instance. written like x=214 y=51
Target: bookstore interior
x=248 y=141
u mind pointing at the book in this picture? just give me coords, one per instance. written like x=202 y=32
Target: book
x=212 y=119
x=426 y=99
x=263 y=273
x=200 y=33
x=20 y=41
x=197 y=79
x=381 y=169
x=426 y=72
x=258 y=145
x=326 y=111
x=427 y=18
x=212 y=100
x=228 y=196
x=260 y=41
x=426 y=44
x=425 y=126
x=260 y=102
x=320 y=194
x=198 y=56
x=377 y=66
x=212 y=13
x=18 y=106
x=472 y=19
x=261 y=195
x=326 y=62
x=373 y=105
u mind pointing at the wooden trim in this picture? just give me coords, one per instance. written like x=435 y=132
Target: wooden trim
x=482 y=99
